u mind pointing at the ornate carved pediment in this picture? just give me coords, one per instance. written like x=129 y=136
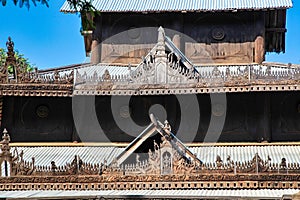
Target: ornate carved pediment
x=163 y=67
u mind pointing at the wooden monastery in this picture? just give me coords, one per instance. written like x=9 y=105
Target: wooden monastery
x=229 y=126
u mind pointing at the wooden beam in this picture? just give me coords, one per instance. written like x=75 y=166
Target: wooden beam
x=281 y=30
x=135 y=144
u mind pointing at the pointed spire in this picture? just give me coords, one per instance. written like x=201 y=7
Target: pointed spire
x=10 y=46
x=10 y=60
x=161 y=42
x=161 y=34
x=167 y=127
x=106 y=76
x=5 y=148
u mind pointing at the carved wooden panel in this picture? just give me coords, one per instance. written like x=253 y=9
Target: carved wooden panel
x=124 y=53
x=200 y=53
x=227 y=37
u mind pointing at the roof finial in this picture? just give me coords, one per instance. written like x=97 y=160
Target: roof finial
x=10 y=50
x=161 y=34
x=5 y=143
x=10 y=60
x=167 y=127
x=10 y=44
x=161 y=42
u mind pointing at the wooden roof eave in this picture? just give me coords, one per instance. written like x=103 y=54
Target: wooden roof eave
x=191 y=90
x=44 y=90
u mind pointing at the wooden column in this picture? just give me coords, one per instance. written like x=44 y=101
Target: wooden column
x=1 y=108
x=176 y=40
x=96 y=40
x=259 y=46
x=267 y=118
x=264 y=124
x=95 y=52
x=8 y=113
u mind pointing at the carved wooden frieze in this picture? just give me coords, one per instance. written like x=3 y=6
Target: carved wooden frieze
x=165 y=165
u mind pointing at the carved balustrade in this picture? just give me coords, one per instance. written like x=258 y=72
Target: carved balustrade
x=203 y=77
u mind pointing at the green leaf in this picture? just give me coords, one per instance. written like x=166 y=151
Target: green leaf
x=45 y=2
x=3 y=2
x=21 y=2
x=34 y=2
x=27 y=2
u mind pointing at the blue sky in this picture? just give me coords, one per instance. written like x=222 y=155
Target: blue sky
x=46 y=36
x=50 y=38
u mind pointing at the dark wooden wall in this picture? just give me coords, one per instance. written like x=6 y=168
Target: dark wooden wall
x=275 y=23
x=31 y=119
x=222 y=37
x=250 y=117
